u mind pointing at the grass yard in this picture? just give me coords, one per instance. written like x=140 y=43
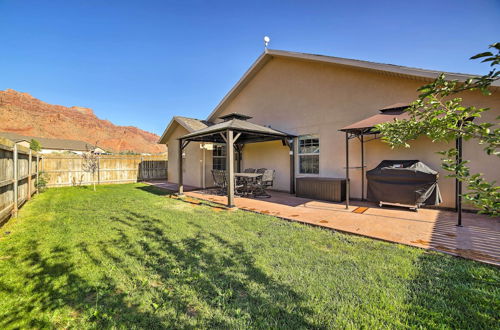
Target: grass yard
x=127 y=256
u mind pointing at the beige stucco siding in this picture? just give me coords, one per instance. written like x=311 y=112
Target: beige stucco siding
x=192 y=170
x=272 y=155
x=303 y=97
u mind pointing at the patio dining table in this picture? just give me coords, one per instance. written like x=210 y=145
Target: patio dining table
x=250 y=176
x=246 y=179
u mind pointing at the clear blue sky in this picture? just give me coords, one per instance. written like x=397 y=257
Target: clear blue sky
x=141 y=62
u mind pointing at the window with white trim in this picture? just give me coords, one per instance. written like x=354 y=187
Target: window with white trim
x=219 y=157
x=308 y=154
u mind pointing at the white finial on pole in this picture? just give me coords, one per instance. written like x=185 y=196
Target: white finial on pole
x=266 y=41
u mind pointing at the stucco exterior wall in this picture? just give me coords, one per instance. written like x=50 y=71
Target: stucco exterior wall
x=192 y=163
x=302 y=97
x=272 y=155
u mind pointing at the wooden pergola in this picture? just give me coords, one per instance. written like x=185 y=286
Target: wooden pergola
x=235 y=131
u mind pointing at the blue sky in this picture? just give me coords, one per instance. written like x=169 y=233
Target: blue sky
x=141 y=62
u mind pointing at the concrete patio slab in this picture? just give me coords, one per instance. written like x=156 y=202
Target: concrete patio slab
x=478 y=239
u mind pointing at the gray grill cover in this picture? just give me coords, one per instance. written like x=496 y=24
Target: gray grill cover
x=408 y=182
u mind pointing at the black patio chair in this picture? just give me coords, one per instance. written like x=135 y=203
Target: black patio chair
x=266 y=181
x=220 y=181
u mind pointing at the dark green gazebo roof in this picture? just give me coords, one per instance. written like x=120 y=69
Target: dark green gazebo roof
x=250 y=132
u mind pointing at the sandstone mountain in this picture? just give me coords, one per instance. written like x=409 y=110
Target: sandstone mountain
x=23 y=114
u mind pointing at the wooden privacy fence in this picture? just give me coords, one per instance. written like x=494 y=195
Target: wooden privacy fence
x=18 y=177
x=21 y=168
x=67 y=170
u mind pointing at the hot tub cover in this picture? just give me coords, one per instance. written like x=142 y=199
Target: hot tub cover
x=409 y=182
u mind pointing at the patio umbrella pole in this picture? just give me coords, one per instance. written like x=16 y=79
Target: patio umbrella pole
x=458 y=183
x=346 y=170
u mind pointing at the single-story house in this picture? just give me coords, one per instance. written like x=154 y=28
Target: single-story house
x=313 y=98
x=53 y=145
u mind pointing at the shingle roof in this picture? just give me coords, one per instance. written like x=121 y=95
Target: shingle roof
x=46 y=143
x=190 y=124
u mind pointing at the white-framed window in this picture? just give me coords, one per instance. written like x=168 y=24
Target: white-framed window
x=308 y=151
x=219 y=157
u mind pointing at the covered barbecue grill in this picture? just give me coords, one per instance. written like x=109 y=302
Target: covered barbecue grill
x=408 y=183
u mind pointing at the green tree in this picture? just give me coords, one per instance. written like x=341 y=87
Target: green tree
x=35 y=145
x=439 y=114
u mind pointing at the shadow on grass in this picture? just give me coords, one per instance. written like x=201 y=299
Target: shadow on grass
x=198 y=281
x=210 y=279
x=50 y=284
x=155 y=190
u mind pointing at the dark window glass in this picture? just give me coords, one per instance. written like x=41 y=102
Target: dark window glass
x=309 y=154
x=309 y=164
x=219 y=157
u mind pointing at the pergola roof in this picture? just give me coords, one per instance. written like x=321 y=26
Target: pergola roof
x=387 y=114
x=250 y=132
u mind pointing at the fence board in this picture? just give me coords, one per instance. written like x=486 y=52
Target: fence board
x=20 y=170
x=16 y=175
x=67 y=170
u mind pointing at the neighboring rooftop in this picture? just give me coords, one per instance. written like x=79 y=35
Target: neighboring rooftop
x=47 y=143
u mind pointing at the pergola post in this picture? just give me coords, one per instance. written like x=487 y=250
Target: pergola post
x=239 y=149
x=458 y=183
x=347 y=170
x=179 y=162
x=292 y=165
x=230 y=168
x=362 y=168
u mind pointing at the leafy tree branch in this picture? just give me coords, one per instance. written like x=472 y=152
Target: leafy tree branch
x=439 y=114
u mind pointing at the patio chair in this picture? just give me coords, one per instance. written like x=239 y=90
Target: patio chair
x=249 y=170
x=219 y=177
x=263 y=183
x=261 y=170
x=239 y=187
x=220 y=181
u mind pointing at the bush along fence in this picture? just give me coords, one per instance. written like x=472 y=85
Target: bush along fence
x=69 y=170
x=19 y=170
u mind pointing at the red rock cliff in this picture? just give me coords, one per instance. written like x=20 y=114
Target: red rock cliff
x=23 y=114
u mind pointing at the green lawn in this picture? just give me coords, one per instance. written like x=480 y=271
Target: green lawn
x=127 y=256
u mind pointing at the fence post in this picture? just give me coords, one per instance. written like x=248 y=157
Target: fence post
x=37 y=170
x=98 y=169
x=14 y=210
x=30 y=172
x=141 y=169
